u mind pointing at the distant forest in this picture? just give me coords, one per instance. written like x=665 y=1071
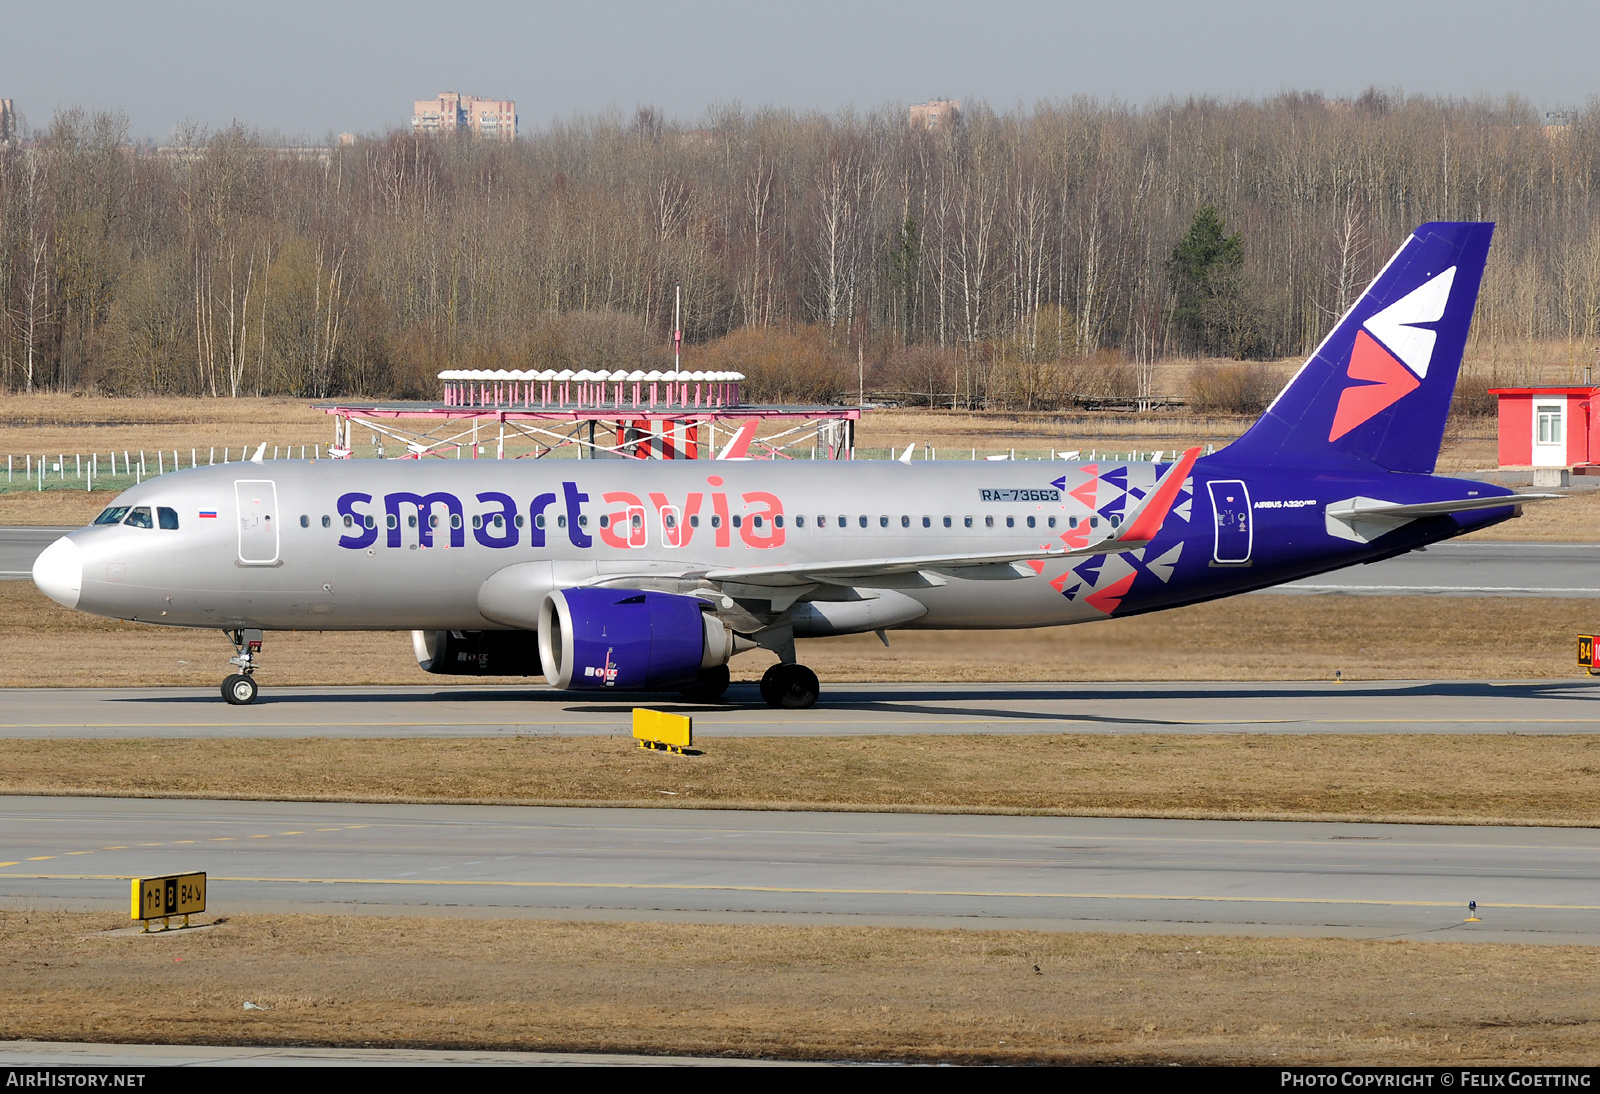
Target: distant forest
x=1015 y=259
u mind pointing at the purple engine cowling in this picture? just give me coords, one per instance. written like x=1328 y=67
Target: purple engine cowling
x=621 y=638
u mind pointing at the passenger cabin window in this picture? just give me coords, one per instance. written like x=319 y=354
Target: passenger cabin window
x=947 y=522
x=927 y=522
x=112 y=515
x=799 y=522
x=905 y=521
x=305 y=521
x=167 y=518
x=1030 y=522
x=1011 y=522
x=327 y=522
x=988 y=522
x=883 y=522
x=140 y=518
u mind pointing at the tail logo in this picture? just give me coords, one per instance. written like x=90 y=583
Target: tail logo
x=1395 y=368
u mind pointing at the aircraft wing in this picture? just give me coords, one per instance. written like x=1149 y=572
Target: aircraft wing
x=1141 y=526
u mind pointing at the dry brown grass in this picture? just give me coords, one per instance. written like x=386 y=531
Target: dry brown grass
x=798 y=992
x=1243 y=638
x=1498 y=779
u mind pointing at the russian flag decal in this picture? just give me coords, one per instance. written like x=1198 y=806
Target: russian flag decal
x=208 y=513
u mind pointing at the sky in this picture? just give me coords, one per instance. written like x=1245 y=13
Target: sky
x=309 y=69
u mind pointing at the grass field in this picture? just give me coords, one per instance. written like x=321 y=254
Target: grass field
x=1479 y=778
x=797 y=992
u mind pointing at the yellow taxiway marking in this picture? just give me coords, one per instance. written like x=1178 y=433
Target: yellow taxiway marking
x=804 y=890
x=175 y=843
x=219 y=839
x=4 y=864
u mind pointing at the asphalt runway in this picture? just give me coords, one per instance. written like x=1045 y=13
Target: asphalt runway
x=1446 y=706
x=1053 y=873
x=19 y=546
x=1469 y=568
x=75 y=1054
x=1463 y=568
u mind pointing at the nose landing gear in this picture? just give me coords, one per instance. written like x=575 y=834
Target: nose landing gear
x=239 y=689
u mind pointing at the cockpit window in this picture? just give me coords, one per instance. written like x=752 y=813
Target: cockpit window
x=168 y=518
x=112 y=515
x=140 y=518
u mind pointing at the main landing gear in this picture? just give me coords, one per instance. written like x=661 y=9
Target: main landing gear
x=239 y=689
x=790 y=686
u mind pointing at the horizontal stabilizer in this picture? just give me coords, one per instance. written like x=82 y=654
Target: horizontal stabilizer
x=1363 y=520
x=1371 y=507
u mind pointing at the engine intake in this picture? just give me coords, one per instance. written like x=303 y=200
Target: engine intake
x=628 y=640
x=477 y=653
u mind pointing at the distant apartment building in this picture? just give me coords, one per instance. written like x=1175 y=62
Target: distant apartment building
x=452 y=112
x=8 y=122
x=935 y=113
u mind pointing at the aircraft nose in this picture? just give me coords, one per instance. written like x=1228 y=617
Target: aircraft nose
x=58 y=571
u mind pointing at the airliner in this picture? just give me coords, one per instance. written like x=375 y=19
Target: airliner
x=649 y=575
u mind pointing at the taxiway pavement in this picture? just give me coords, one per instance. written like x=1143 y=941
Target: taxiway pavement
x=20 y=545
x=1440 y=706
x=1054 y=873
x=1469 y=568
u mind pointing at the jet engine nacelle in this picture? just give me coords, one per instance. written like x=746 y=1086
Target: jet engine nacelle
x=477 y=653
x=630 y=640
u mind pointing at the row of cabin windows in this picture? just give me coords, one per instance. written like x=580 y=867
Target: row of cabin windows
x=636 y=520
x=138 y=516
x=949 y=522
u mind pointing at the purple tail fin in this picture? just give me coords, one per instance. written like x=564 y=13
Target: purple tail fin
x=1378 y=388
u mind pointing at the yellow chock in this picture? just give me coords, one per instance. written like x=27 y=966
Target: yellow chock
x=663 y=732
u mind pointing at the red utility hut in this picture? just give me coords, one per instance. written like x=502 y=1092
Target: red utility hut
x=1548 y=426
